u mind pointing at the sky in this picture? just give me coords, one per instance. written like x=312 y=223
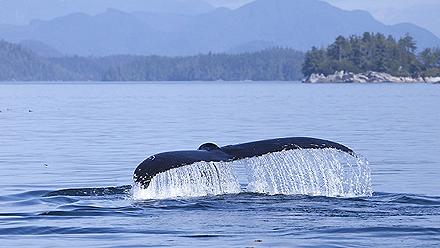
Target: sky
x=386 y=10
x=346 y=4
x=228 y=3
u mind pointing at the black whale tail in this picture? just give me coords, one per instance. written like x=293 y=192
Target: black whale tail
x=259 y=148
x=210 y=152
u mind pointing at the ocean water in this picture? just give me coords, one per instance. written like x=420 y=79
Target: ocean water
x=68 y=151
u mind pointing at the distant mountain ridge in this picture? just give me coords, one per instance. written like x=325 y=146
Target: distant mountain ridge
x=40 y=49
x=20 y=12
x=424 y=13
x=298 y=24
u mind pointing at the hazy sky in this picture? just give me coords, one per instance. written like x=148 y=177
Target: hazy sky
x=386 y=10
x=228 y=3
x=349 y=4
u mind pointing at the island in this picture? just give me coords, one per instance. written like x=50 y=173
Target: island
x=372 y=58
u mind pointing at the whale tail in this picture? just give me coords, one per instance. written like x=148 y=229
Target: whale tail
x=210 y=152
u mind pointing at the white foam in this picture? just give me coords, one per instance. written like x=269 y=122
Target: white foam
x=317 y=172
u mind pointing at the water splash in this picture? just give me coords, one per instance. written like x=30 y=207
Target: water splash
x=198 y=179
x=317 y=172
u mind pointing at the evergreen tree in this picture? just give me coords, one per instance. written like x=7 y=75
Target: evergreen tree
x=373 y=52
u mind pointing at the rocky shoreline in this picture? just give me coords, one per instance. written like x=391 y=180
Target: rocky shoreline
x=368 y=77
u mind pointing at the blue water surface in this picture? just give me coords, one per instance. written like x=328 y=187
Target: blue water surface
x=89 y=137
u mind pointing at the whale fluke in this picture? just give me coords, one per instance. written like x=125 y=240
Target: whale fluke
x=210 y=152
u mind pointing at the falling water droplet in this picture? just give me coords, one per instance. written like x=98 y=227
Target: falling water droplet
x=323 y=172
x=198 y=179
x=317 y=172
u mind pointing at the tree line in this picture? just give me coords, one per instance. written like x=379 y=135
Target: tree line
x=357 y=54
x=373 y=52
x=19 y=64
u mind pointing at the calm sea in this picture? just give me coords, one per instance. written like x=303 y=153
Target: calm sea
x=73 y=136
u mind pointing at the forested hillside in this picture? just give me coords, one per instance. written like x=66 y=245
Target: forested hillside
x=271 y=64
x=19 y=64
x=373 y=52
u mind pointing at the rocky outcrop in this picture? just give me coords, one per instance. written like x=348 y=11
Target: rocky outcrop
x=368 y=77
x=433 y=80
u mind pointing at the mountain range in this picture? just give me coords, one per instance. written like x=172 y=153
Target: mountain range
x=424 y=13
x=21 y=12
x=298 y=24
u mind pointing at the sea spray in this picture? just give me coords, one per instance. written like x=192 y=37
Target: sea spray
x=318 y=172
x=195 y=180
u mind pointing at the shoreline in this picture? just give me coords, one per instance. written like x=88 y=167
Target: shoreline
x=367 y=77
